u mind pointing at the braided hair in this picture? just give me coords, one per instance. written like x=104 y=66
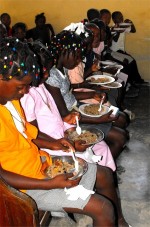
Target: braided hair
x=17 y=60
x=66 y=42
x=44 y=58
x=80 y=29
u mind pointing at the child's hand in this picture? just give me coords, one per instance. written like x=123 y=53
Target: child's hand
x=80 y=145
x=64 y=145
x=95 y=66
x=62 y=181
x=71 y=118
x=128 y=21
x=100 y=97
x=108 y=117
x=125 y=61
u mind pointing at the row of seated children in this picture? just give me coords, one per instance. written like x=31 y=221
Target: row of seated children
x=115 y=133
x=42 y=31
x=20 y=65
x=109 y=49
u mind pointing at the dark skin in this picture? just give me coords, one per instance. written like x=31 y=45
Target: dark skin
x=116 y=137
x=15 y=90
x=45 y=141
x=119 y=19
x=6 y=20
x=98 y=207
x=20 y=34
x=95 y=43
x=70 y=119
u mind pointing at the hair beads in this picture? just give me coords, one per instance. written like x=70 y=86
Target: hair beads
x=66 y=42
x=16 y=59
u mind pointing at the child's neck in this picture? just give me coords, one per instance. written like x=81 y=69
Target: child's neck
x=61 y=69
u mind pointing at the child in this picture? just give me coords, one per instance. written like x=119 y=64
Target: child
x=105 y=16
x=66 y=50
x=20 y=158
x=6 y=20
x=118 y=45
x=3 y=31
x=19 y=31
x=41 y=110
x=43 y=32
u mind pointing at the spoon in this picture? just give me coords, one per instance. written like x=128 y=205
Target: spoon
x=76 y=163
x=78 y=128
x=101 y=102
x=100 y=105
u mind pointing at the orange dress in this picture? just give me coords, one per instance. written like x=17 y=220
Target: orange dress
x=18 y=154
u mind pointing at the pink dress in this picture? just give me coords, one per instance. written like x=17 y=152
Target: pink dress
x=76 y=77
x=39 y=104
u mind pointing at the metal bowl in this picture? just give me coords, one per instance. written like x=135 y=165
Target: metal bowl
x=83 y=166
x=98 y=132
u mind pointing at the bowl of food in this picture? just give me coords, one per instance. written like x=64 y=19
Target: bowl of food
x=113 y=85
x=89 y=134
x=92 y=110
x=100 y=79
x=65 y=164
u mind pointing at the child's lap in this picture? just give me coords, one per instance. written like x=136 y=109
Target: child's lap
x=56 y=199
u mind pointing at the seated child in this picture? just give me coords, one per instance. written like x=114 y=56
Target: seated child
x=19 y=139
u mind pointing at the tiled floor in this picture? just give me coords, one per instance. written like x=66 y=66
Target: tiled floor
x=135 y=187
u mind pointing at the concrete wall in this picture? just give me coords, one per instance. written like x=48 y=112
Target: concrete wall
x=60 y=13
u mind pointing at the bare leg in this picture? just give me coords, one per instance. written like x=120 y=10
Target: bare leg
x=116 y=140
x=105 y=186
x=99 y=209
x=122 y=121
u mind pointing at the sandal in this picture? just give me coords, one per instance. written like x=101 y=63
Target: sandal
x=130 y=114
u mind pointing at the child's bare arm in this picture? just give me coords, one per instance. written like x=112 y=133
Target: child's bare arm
x=21 y=182
x=133 y=29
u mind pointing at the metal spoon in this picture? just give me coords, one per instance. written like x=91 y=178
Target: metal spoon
x=78 y=128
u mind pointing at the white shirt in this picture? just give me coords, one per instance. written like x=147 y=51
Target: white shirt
x=120 y=44
x=19 y=122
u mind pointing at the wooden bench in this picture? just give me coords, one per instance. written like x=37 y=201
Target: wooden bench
x=19 y=209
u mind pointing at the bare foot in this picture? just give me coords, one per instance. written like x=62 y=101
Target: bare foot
x=122 y=223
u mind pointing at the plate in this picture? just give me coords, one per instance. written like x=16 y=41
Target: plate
x=108 y=62
x=119 y=29
x=113 y=33
x=100 y=79
x=113 y=85
x=92 y=136
x=58 y=160
x=112 y=70
x=93 y=108
x=124 y=25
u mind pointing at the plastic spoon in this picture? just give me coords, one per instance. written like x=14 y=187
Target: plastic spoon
x=78 y=128
x=76 y=163
x=100 y=105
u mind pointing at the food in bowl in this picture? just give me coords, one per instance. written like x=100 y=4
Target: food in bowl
x=99 y=80
x=59 y=167
x=92 y=134
x=93 y=109
x=113 y=84
x=65 y=164
x=85 y=135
